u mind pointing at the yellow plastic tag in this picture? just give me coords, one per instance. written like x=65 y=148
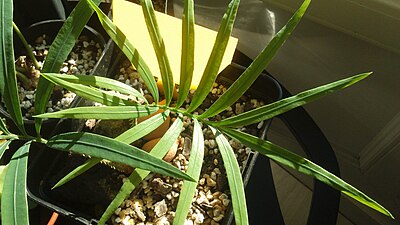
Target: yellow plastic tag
x=129 y=18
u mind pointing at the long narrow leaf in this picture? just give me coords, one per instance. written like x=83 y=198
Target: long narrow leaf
x=305 y=166
x=242 y=84
x=58 y=53
x=103 y=112
x=159 y=151
x=129 y=136
x=194 y=169
x=218 y=51
x=77 y=171
x=107 y=148
x=127 y=48
x=14 y=203
x=97 y=81
x=3 y=126
x=284 y=105
x=143 y=128
x=8 y=80
x=90 y=93
x=234 y=178
x=187 y=58
x=3 y=147
x=159 y=49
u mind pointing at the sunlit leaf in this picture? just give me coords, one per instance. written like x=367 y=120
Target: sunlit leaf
x=58 y=53
x=194 y=169
x=159 y=49
x=14 y=203
x=107 y=148
x=96 y=81
x=90 y=93
x=303 y=165
x=3 y=127
x=234 y=176
x=103 y=112
x=218 y=51
x=129 y=136
x=8 y=80
x=284 y=105
x=127 y=48
x=242 y=84
x=3 y=146
x=187 y=58
x=159 y=151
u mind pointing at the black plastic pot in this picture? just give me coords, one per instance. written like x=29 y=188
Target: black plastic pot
x=39 y=183
x=50 y=28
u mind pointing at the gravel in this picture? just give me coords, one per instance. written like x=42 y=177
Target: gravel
x=155 y=200
x=81 y=60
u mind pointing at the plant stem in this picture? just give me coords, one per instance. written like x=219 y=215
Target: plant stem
x=26 y=82
x=26 y=45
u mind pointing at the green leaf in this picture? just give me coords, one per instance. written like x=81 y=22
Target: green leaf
x=159 y=151
x=3 y=147
x=234 y=176
x=107 y=148
x=58 y=53
x=187 y=58
x=243 y=83
x=90 y=93
x=77 y=171
x=14 y=203
x=8 y=80
x=103 y=112
x=3 y=127
x=284 y=105
x=159 y=49
x=95 y=81
x=3 y=171
x=127 y=137
x=194 y=169
x=305 y=166
x=143 y=128
x=218 y=51
x=127 y=48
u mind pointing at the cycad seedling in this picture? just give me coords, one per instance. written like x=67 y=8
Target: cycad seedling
x=93 y=88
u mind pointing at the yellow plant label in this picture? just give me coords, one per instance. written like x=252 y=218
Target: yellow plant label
x=129 y=18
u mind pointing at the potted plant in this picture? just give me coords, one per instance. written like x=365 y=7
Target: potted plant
x=135 y=105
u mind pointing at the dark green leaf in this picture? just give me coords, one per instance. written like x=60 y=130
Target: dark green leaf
x=130 y=52
x=218 y=51
x=234 y=178
x=8 y=80
x=14 y=203
x=103 y=112
x=107 y=148
x=91 y=93
x=187 y=58
x=58 y=53
x=159 y=49
x=127 y=137
x=194 y=169
x=242 y=84
x=95 y=81
x=77 y=171
x=284 y=105
x=159 y=151
x=3 y=147
x=303 y=165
